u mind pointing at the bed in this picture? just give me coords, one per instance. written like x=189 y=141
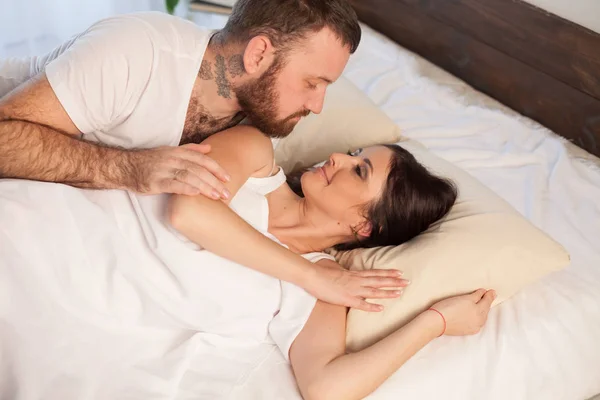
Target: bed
x=542 y=343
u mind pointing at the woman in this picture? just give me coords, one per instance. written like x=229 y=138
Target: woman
x=381 y=196
x=101 y=298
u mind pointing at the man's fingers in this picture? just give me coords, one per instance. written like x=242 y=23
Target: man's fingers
x=202 y=148
x=200 y=177
x=175 y=186
x=201 y=187
x=185 y=182
x=205 y=161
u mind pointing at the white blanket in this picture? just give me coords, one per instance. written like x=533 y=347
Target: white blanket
x=101 y=299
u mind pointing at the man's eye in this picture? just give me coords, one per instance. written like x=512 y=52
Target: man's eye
x=311 y=86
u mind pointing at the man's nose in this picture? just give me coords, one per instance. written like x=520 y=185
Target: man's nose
x=315 y=102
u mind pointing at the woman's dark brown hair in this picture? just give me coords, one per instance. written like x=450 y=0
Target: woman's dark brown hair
x=412 y=200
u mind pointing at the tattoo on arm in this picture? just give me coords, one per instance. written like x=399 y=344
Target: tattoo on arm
x=224 y=88
x=205 y=71
x=236 y=65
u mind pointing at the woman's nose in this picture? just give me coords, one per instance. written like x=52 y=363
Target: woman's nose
x=338 y=158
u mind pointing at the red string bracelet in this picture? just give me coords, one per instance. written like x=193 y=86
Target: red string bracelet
x=443 y=319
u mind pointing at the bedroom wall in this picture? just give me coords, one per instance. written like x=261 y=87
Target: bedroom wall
x=583 y=12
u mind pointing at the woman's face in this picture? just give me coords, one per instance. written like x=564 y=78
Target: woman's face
x=345 y=183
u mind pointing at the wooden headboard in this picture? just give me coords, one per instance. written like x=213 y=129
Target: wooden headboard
x=539 y=64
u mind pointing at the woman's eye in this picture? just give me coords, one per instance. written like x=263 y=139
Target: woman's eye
x=358 y=170
x=311 y=86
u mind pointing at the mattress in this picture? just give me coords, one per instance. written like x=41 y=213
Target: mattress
x=544 y=342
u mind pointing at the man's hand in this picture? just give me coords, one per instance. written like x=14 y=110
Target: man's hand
x=183 y=170
x=334 y=284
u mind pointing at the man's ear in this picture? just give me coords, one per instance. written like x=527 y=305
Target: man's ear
x=258 y=54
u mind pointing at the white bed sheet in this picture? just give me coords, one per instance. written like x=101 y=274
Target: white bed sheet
x=544 y=343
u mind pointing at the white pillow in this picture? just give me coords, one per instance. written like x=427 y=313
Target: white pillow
x=482 y=243
x=349 y=120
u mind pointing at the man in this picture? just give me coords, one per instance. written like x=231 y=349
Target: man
x=109 y=107
x=125 y=104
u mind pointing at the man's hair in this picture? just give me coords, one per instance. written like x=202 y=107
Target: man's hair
x=288 y=22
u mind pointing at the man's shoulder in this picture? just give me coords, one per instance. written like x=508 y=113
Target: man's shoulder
x=157 y=27
x=155 y=20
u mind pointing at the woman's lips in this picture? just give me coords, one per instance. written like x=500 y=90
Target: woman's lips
x=322 y=170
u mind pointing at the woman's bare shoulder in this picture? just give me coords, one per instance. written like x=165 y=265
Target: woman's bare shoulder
x=247 y=145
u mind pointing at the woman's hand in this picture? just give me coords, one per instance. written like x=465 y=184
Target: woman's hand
x=464 y=315
x=334 y=284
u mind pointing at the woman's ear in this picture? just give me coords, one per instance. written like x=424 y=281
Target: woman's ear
x=258 y=54
x=364 y=229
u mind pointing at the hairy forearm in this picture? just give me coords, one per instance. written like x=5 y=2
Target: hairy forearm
x=37 y=152
x=346 y=378
x=218 y=229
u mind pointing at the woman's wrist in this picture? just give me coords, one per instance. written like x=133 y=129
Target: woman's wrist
x=432 y=322
x=442 y=317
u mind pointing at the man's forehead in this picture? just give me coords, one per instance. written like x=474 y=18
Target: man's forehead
x=323 y=41
x=323 y=56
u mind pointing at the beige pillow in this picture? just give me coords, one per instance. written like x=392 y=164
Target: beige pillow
x=483 y=242
x=349 y=120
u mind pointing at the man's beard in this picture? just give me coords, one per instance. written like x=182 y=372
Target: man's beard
x=259 y=101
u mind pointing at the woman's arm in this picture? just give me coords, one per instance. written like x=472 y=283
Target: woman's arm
x=324 y=371
x=244 y=151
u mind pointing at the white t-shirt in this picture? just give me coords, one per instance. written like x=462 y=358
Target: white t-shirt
x=127 y=80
